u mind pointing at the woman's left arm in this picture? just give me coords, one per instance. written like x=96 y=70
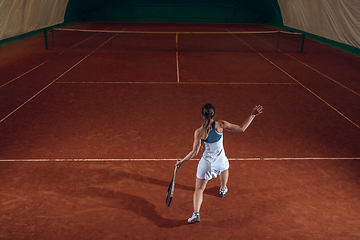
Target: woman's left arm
x=236 y=128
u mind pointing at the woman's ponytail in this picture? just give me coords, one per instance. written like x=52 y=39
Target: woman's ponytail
x=208 y=112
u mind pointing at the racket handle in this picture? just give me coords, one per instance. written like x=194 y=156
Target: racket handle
x=176 y=167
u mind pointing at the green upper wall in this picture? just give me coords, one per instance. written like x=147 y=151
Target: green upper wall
x=255 y=11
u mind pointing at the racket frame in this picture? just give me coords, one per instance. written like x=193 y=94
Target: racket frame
x=171 y=188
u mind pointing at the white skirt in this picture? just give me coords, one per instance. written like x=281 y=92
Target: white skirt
x=211 y=166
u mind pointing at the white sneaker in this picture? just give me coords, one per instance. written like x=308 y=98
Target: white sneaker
x=223 y=192
x=195 y=217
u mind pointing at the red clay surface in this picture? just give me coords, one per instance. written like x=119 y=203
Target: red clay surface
x=79 y=103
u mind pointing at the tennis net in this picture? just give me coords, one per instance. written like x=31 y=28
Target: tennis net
x=106 y=40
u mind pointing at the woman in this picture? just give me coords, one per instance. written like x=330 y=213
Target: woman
x=213 y=161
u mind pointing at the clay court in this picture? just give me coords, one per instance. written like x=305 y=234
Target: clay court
x=90 y=133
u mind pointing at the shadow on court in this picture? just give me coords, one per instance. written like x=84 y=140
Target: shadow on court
x=134 y=204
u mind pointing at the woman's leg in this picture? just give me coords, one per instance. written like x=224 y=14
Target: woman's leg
x=224 y=176
x=200 y=186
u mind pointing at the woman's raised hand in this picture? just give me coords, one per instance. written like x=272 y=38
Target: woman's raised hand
x=257 y=110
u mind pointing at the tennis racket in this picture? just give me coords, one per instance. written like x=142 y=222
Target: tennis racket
x=171 y=188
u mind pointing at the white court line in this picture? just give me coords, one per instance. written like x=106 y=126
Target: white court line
x=177 y=59
x=308 y=66
x=169 y=159
x=24 y=73
x=308 y=89
x=313 y=93
x=154 y=32
x=193 y=83
x=54 y=80
x=42 y=90
x=324 y=75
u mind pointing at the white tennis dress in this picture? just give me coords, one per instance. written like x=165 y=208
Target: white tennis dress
x=213 y=160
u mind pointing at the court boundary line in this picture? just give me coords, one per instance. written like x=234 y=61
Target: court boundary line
x=177 y=58
x=306 y=65
x=190 y=83
x=306 y=88
x=44 y=88
x=117 y=32
x=28 y=71
x=324 y=75
x=172 y=32
x=23 y=74
x=173 y=159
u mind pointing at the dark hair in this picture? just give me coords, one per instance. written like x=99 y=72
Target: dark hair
x=208 y=112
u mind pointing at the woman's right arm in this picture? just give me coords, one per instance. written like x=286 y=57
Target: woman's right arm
x=194 y=151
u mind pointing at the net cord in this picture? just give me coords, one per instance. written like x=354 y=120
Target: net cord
x=175 y=33
x=153 y=32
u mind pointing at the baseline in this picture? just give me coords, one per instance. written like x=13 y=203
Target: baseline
x=184 y=83
x=171 y=159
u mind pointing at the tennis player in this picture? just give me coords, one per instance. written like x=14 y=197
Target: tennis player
x=213 y=161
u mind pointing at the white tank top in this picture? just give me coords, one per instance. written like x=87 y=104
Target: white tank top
x=213 y=144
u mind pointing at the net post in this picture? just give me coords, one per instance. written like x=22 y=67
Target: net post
x=52 y=39
x=303 y=42
x=46 y=39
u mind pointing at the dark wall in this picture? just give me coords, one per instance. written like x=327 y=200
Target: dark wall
x=256 y=11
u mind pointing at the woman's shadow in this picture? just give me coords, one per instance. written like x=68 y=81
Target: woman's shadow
x=214 y=191
x=137 y=204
